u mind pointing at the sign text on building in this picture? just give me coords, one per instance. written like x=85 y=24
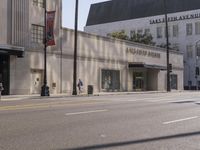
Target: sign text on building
x=137 y=51
x=175 y=18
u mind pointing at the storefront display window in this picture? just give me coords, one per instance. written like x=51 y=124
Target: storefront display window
x=174 y=82
x=110 y=80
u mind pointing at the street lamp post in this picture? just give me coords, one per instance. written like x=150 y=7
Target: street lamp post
x=167 y=45
x=196 y=65
x=75 y=50
x=45 y=88
x=196 y=75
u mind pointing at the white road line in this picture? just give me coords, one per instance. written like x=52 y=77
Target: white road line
x=173 y=101
x=180 y=120
x=86 y=112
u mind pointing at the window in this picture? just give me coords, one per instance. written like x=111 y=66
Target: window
x=147 y=31
x=198 y=50
x=189 y=49
x=197 y=28
x=37 y=34
x=198 y=83
x=132 y=33
x=189 y=29
x=175 y=46
x=39 y=3
x=175 y=30
x=189 y=83
x=139 y=31
x=197 y=71
x=110 y=80
x=174 y=81
x=159 y=32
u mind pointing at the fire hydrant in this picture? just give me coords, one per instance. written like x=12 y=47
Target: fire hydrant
x=1 y=89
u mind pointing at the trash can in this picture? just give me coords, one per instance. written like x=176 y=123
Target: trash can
x=90 y=89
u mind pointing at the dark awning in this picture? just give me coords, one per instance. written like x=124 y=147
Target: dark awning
x=148 y=66
x=12 y=50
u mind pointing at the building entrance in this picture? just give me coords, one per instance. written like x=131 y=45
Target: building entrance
x=138 y=81
x=5 y=73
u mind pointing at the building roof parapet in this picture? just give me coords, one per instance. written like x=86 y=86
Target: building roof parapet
x=128 y=43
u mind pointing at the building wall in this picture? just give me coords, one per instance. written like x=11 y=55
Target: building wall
x=25 y=71
x=3 y=24
x=20 y=22
x=95 y=53
x=144 y=23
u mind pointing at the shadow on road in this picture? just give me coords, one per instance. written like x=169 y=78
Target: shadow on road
x=126 y=143
x=184 y=102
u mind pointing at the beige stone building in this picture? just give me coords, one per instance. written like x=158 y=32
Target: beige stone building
x=107 y=64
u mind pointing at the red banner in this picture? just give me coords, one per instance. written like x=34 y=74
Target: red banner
x=50 y=28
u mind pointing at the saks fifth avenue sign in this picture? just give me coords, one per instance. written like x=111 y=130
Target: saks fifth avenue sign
x=175 y=18
x=141 y=52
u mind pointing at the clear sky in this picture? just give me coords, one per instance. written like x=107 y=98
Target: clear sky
x=69 y=11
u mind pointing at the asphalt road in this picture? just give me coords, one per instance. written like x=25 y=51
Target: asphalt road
x=162 y=121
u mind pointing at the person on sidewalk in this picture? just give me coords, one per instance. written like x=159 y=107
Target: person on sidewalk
x=80 y=85
x=1 y=89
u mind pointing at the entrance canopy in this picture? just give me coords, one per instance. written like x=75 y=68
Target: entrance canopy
x=148 y=66
x=12 y=50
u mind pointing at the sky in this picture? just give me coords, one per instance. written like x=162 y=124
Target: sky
x=69 y=12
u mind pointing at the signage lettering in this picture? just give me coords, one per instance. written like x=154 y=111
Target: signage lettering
x=141 y=52
x=175 y=18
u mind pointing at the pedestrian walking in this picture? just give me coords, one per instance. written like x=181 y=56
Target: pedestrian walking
x=1 y=89
x=80 y=85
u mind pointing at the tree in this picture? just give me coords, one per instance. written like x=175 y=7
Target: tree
x=119 y=35
x=142 y=38
x=164 y=45
x=139 y=38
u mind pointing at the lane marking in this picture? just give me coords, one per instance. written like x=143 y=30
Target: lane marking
x=86 y=112
x=180 y=120
x=50 y=105
x=173 y=100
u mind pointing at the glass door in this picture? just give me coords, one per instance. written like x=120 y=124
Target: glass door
x=5 y=73
x=138 y=81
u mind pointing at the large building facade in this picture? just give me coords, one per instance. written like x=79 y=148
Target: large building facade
x=105 y=63
x=21 y=43
x=147 y=17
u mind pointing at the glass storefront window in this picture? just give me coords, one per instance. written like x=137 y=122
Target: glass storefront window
x=110 y=80
x=174 y=81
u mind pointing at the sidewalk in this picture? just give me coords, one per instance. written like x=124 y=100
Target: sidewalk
x=37 y=96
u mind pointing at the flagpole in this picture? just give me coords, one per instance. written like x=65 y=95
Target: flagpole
x=45 y=88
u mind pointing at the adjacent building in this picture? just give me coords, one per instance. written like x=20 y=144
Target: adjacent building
x=147 y=17
x=105 y=63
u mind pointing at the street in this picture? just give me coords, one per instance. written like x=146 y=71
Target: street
x=153 y=121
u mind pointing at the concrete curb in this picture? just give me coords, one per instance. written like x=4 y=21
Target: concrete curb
x=28 y=97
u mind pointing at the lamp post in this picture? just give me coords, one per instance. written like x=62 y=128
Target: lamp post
x=45 y=88
x=167 y=49
x=75 y=50
x=196 y=65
